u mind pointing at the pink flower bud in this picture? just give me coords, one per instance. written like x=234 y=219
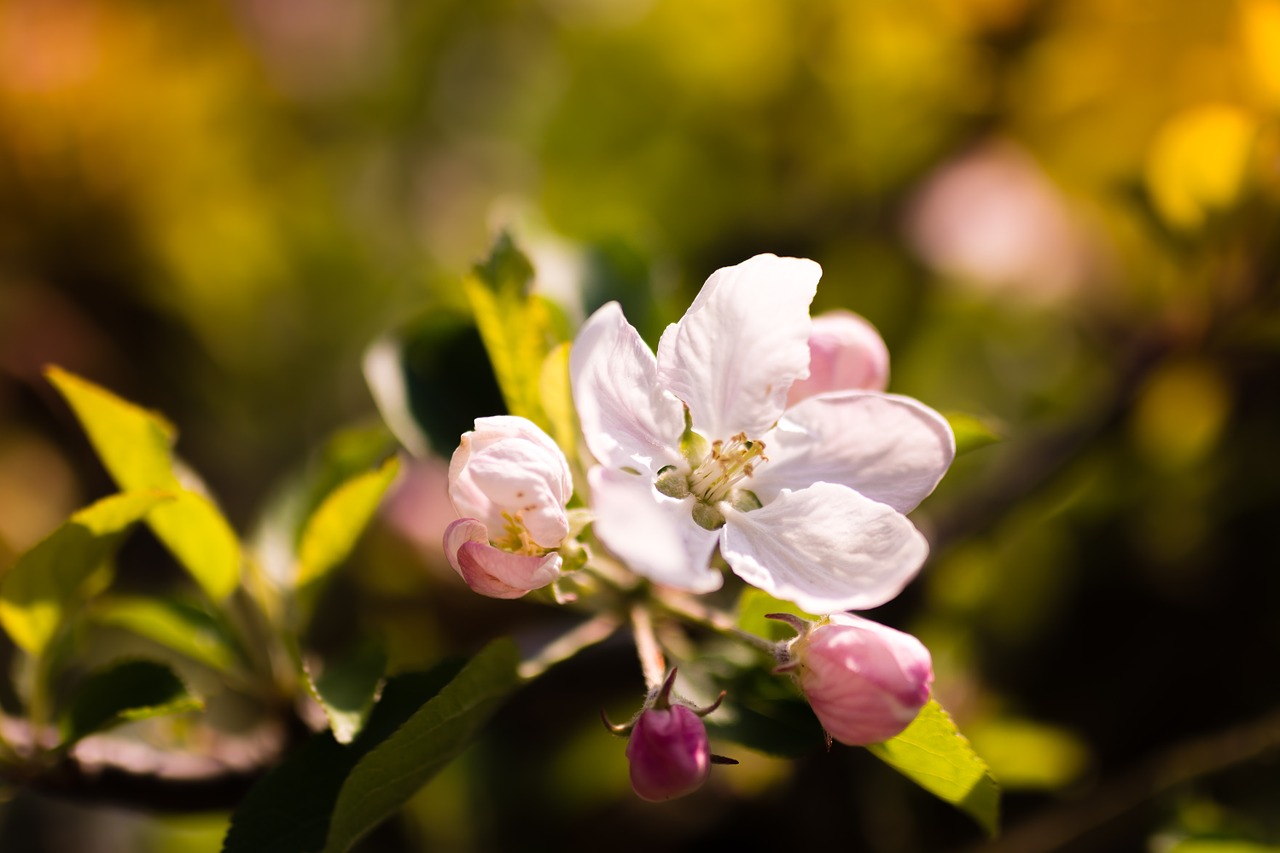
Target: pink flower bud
x=846 y=353
x=510 y=483
x=493 y=572
x=669 y=753
x=509 y=475
x=865 y=681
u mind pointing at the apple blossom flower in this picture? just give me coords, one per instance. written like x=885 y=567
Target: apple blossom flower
x=510 y=483
x=698 y=448
x=865 y=681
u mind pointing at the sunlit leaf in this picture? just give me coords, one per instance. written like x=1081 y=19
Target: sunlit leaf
x=49 y=580
x=347 y=688
x=199 y=536
x=176 y=625
x=933 y=754
x=135 y=447
x=133 y=443
x=519 y=328
x=393 y=771
x=132 y=690
x=557 y=399
x=332 y=531
x=971 y=432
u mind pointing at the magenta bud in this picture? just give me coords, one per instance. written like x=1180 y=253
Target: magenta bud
x=865 y=681
x=669 y=753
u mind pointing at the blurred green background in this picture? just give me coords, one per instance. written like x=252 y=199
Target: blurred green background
x=1062 y=215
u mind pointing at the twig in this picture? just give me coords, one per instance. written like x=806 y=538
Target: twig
x=652 y=662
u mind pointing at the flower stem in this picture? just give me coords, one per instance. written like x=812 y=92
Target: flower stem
x=651 y=661
x=722 y=623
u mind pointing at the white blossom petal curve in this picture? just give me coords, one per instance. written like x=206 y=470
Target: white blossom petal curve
x=891 y=448
x=653 y=534
x=827 y=548
x=733 y=355
x=627 y=419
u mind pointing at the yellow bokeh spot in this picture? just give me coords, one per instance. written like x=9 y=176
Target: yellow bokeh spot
x=1027 y=755
x=1197 y=163
x=1180 y=414
x=1260 y=32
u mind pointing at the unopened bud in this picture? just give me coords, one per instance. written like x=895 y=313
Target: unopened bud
x=865 y=681
x=669 y=753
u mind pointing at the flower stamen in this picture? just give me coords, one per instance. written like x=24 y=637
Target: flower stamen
x=725 y=466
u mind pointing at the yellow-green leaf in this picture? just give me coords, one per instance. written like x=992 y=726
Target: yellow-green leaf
x=135 y=446
x=518 y=328
x=557 y=399
x=180 y=626
x=333 y=529
x=199 y=536
x=933 y=754
x=48 y=581
x=971 y=432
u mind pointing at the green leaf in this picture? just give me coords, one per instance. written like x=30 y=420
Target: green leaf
x=197 y=533
x=971 y=432
x=519 y=329
x=384 y=779
x=332 y=530
x=347 y=689
x=133 y=443
x=288 y=810
x=933 y=754
x=767 y=714
x=132 y=690
x=135 y=446
x=755 y=604
x=177 y=625
x=53 y=577
x=431 y=379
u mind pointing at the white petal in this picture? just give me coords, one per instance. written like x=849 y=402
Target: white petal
x=890 y=448
x=653 y=534
x=826 y=548
x=743 y=341
x=846 y=353
x=627 y=419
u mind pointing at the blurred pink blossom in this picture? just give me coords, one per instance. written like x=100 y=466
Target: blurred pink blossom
x=992 y=220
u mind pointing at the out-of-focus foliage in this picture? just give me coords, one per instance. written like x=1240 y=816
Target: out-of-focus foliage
x=1062 y=214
